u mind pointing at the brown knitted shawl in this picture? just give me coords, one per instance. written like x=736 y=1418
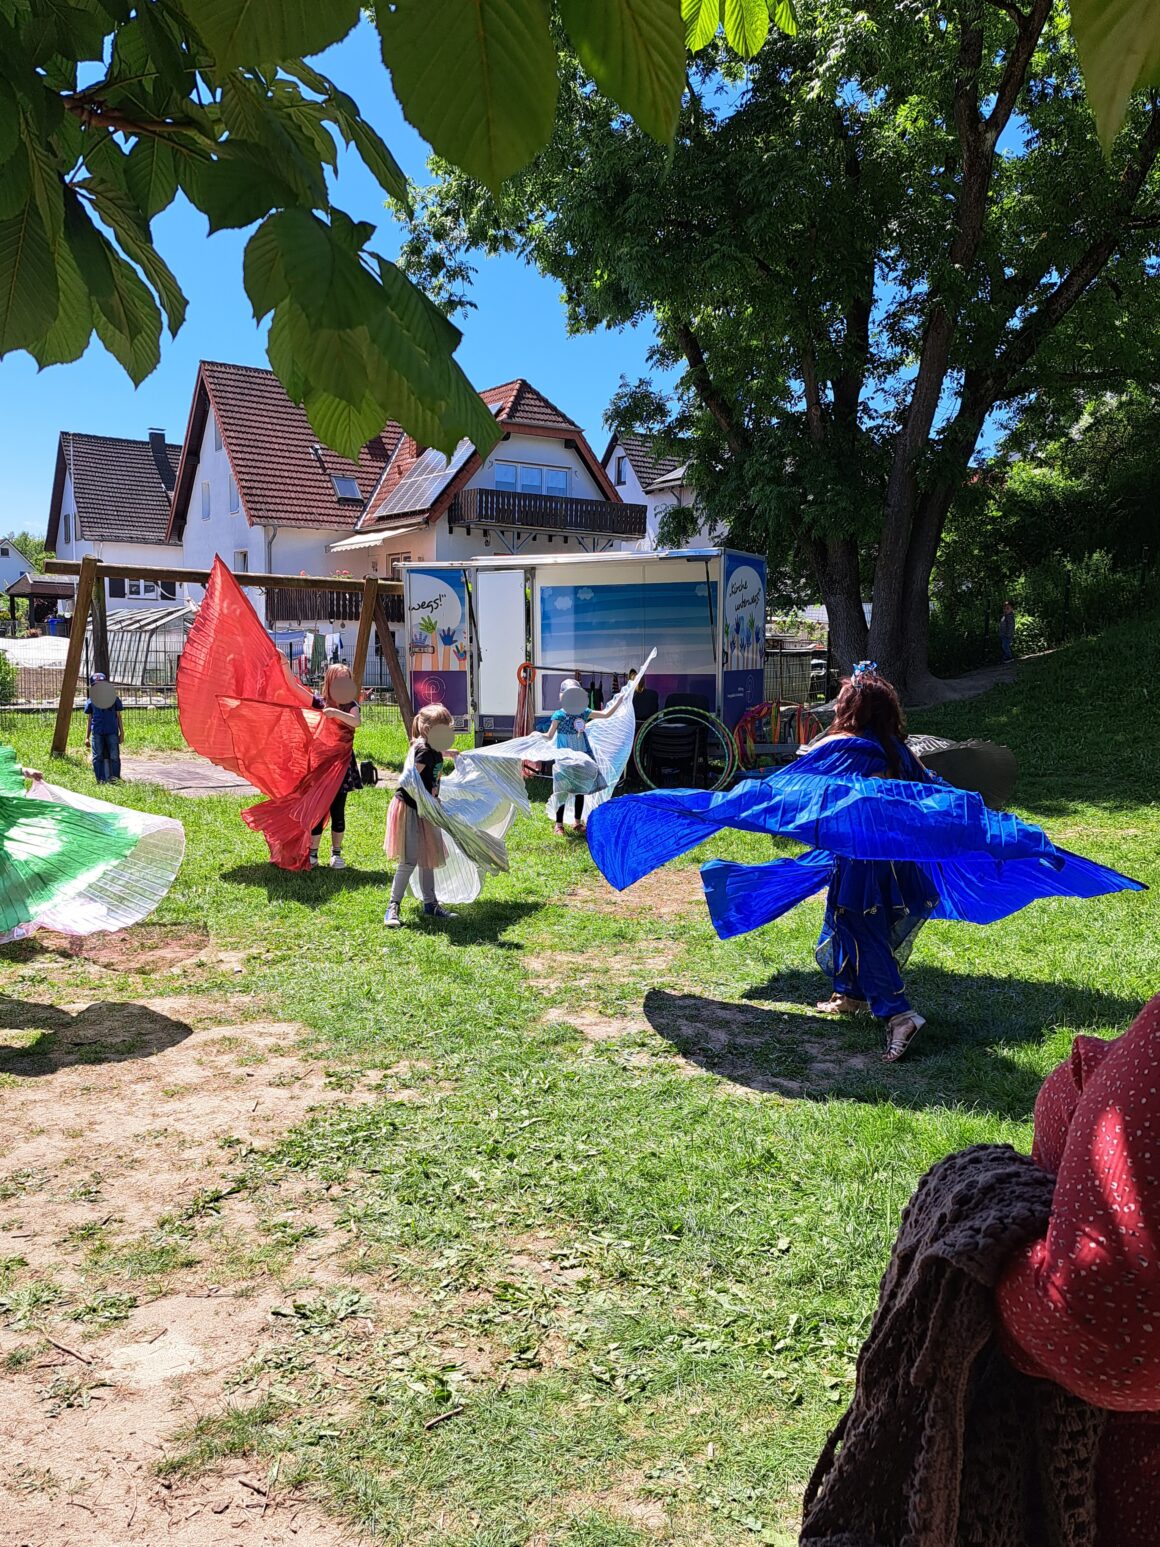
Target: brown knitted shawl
x=945 y=1444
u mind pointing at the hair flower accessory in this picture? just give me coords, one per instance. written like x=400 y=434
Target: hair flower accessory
x=863 y=669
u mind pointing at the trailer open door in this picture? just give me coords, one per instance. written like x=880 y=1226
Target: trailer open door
x=502 y=644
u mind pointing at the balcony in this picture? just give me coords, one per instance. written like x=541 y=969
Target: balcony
x=547 y=513
x=284 y=607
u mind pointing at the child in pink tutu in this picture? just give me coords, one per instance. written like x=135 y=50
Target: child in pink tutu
x=412 y=840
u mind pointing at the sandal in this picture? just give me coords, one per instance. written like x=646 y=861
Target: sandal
x=842 y=1004
x=901 y=1031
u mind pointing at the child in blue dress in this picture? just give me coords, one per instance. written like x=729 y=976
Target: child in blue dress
x=569 y=729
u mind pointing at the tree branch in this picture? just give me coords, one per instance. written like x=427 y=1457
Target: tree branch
x=1059 y=301
x=736 y=436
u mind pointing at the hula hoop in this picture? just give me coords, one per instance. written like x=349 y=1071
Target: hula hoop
x=705 y=718
x=526 y=674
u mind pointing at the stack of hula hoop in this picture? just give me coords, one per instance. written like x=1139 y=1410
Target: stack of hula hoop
x=683 y=714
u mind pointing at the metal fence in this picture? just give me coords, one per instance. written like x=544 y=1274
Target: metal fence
x=799 y=676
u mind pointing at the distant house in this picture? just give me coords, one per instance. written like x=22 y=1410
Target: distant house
x=541 y=489
x=13 y=563
x=256 y=488
x=639 y=473
x=110 y=498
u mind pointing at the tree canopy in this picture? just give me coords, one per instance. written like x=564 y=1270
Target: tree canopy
x=861 y=245
x=111 y=109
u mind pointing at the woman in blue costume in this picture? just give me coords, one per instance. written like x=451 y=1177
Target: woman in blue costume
x=892 y=844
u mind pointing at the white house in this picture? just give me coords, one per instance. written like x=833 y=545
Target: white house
x=640 y=474
x=110 y=498
x=256 y=489
x=13 y=563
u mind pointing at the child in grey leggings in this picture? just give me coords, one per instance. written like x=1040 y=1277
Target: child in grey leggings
x=412 y=840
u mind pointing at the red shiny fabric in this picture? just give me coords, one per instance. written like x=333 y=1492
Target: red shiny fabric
x=238 y=708
x=1082 y=1306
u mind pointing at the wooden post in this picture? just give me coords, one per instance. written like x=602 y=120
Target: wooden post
x=100 y=618
x=394 y=665
x=366 y=622
x=89 y=575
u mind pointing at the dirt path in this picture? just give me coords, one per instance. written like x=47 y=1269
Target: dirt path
x=137 y=1282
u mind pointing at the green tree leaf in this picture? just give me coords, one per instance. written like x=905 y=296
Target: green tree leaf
x=477 y=78
x=235 y=187
x=151 y=175
x=29 y=296
x=132 y=232
x=635 y=52
x=345 y=426
x=68 y=338
x=701 y=18
x=262 y=271
x=746 y=25
x=255 y=32
x=1119 y=51
x=125 y=315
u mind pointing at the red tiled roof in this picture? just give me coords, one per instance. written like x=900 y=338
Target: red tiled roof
x=518 y=402
x=517 y=406
x=646 y=462
x=121 y=487
x=283 y=474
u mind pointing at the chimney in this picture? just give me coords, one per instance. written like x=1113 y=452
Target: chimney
x=165 y=469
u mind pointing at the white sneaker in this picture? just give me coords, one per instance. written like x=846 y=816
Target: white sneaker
x=337 y=862
x=312 y=862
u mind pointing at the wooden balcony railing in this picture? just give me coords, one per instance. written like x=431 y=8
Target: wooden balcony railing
x=284 y=606
x=547 y=513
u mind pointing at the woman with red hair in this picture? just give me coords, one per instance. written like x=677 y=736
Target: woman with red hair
x=890 y=843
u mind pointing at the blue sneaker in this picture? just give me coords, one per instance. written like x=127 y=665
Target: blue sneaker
x=435 y=910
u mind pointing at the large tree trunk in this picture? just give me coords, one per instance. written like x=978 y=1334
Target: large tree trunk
x=836 y=568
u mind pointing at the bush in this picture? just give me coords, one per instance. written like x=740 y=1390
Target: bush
x=7 y=680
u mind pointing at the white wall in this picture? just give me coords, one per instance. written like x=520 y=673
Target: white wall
x=223 y=532
x=633 y=494
x=149 y=555
x=13 y=564
x=542 y=452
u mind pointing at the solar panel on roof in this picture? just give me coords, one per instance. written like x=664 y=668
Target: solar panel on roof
x=423 y=483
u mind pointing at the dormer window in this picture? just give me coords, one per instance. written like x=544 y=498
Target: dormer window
x=346 y=488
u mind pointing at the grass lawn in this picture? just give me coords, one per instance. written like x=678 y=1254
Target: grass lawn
x=583 y=1228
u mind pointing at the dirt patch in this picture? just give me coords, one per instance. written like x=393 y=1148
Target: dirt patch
x=134 y=1117
x=155 y=1121
x=147 y=948
x=667 y=893
x=595 y=1027
x=184 y=773
x=760 y=1049
x=584 y=971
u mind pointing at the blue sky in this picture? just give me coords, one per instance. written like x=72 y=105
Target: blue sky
x=516 y=330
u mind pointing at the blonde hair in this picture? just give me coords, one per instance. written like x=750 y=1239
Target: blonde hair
x=429 y=715
x=331 y=675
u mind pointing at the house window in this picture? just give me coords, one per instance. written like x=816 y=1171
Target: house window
x=142 y=588
x=3 y=550
x=621 y=472
x=217 y=434
x=531 y=480
x=235 y=497
x=241 y=561
x=116 y=590
x=167 y=590
x=345 y=488
x=205 y=501
x=397 y=559
x=67 y=528
x=556 y=481
x=505 y=475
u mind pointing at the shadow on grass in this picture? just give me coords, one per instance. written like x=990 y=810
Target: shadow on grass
x=310 y=887
x=967 y=1054
x=102 y=1033
x=475 y=923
